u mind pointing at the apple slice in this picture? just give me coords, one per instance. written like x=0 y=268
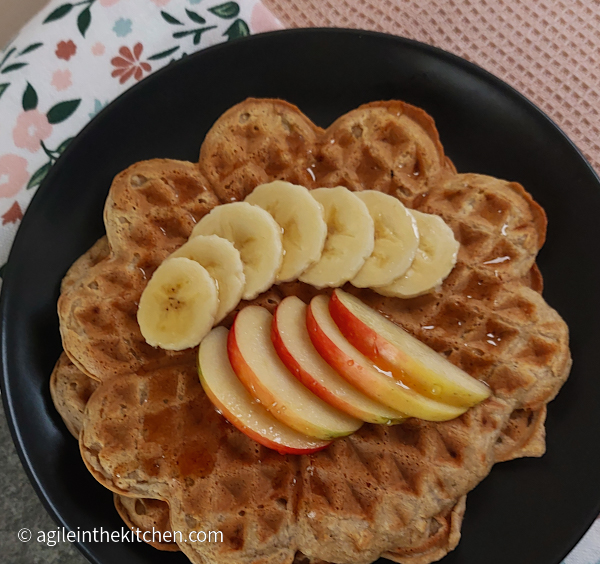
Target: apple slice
x=256 y=364
x=294 y=347
x=359 y=371
x=394 y=350
x=237 y=406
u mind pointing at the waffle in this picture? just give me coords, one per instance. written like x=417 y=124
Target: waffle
x=71 y=389
x=147 y=515
x=149 y=431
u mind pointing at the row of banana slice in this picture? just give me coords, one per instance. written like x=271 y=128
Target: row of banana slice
x=282 y=232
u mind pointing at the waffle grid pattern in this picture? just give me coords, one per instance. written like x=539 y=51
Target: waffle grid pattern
x=71 y=390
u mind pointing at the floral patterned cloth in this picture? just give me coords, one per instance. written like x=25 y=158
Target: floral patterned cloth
x=73 y=58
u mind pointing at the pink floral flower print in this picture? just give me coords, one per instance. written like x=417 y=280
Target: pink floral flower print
x=107 y=3
x=98 y=49
x=161 y=3
x=61 y=79
x=14 y=214
x=13 y=175
x=262 y=20
x=32 y=127
x=128 y=64
x=65 y=50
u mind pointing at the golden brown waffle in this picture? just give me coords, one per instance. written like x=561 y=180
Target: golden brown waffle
x=71 y=390
x=147 y=516
x=442 y=537
x=256 y=143
x=392 y=147
x=150 y=211
x=149 y=430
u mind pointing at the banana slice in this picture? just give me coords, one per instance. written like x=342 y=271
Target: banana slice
x=350 y=238
x=178 y=306
x=435 y=258
x=223 y=262
x=300 y=217
x=396 y=240
x=257 y=237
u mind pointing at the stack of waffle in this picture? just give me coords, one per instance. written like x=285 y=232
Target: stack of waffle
x=147 y=431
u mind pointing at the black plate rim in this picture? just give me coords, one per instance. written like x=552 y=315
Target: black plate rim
x=446 y=56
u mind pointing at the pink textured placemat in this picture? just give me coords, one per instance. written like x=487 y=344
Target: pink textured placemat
x=548 y=50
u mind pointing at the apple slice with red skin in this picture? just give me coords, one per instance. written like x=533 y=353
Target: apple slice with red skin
x=237 y=406
x=257 y=366
x=359 y=371
x=294 y=347
x=394 y=350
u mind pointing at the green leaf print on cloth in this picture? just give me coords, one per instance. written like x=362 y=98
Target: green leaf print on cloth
x=195 y=17
x=30 y=98
x=59 y=13
x=30 y=48
x=60 y=112
x=84 y=19
x=163 y=54
x=170 y=19
x=56 y=114
x=197 y=33
x=239 y=28
x=38 y=176
x=229 y=10
x=9 y=66
x=13 y=67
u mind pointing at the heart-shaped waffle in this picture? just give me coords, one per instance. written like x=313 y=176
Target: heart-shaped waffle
x=150 y=432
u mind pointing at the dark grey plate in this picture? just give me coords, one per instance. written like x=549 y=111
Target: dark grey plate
x=528 y=511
